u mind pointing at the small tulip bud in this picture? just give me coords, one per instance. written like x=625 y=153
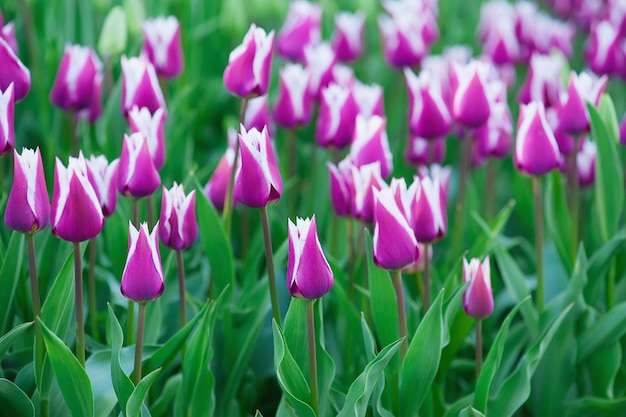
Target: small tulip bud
x=336 y=122
x=429 y=117
x=73 y=85
x=13 y=71
x=138 y=177
x=478 y=297
x=140 y=86
x=428 y=210
x=301 y=28
x=341 y=187
x=114 y=33
x=103 y=178
x=536 y=150
x=294 y=103
x=163 y=46
x=572 y=112
x=178 y=224
x=470 y=105
x=258 y=114
x=152 y=127
x=142 y=279
x=215 y=188
x=347 y=41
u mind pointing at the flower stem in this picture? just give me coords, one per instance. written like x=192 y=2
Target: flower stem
x=139 y=345
x=310 y=324
x=490 y=186
x=427 y=280
x=34 y=291
x=539 y=241
x=479 y=347
x=130 y=321
x=269 y=260
x=78 y=293
x=93 y=306
x=149 y=212
x=459 y=227
x=575 y=199
x=181 y=288
x=420 y=289
x=396 y=276
x=228 y=201
x=73 y=117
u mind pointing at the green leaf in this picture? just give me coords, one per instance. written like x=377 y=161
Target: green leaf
x=606 y=109
x=121 y=382
x=594 y=406
x=72 y=378
x=420 y=364
x=133 y=407
x=603 y=367
x=470 y=412
x=489 y=239
x=7 y=339
x=600 y=261
x=606 y=331
x=558 y=218
x=10 y=274
x=13 y=401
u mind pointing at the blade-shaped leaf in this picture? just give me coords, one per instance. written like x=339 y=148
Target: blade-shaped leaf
x=13 y=401
x=9 y=274
x=607 y=330
x=121 y=382
x=133 y=406
x=596 y=406
x=558 y=218
x=7 y=339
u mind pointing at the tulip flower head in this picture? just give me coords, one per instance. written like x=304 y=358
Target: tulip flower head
x=142 y=279
x=163 y=45
x=536 y=150
x=320 y=61
x=258 y=114
x=371 y=144
x=140 y=86
x=422 y=151
x=13 y=71
x=543 y=82
x=603 y=52
x=494 y=138
x=470 y=104
x=343 y=75
x=347 y=40
x=301 y=28
x=478 y=297
x=28 y=207
x=138 y=176
x=178 y=226
x=428 y=210
x=406 y=33
x=336 y=122
x=73 y=85
x=429 y=117
x=215 y=188
x=103 y=178
x=152 y=127
x=582 y=89
x=369 y=99
x=365 y=180
x=7 y=109
x=586 y=163
x=341 y=187
x=308 y=273
x=294 y=103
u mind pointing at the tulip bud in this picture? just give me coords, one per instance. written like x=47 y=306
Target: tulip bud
x=114 y=33
x=142 y=279
x=13 y=71
x=8 y=34
x=258 y=114
x=301 y=28
x=308 y=273
x=28 y=207
x=497 y=32
x=441 y=174
x=347 y=41
x=470 y=105
x=365 y=179
x=103 y=178
x=163 y=45
x=342 y=75
x=494 y=138
x=536 y=150
x=336 y=120
x=249 y=65
x=258 y=180
x=140 y=86
x=429 y=117
x=7 y=108
x=572 y=112
x=73 y=85
x=428 y=210
x=370 y=144
x=215 y=188
x=402 y=39
x=341 y=187
x=602 y=52
x=478 y=297
x=178 y=224
x=425 y=152
x=586 y=163
x=138 y=177
x=543 y=82
x=369 y=99
x=151 y=126
x=320 y=61
x=76 y=212
x=94 y=111
x=294 y=103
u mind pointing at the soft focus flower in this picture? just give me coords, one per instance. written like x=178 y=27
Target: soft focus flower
x=586 y=163
x=347 y=40
x=258 y=114
x=163 y=45
x=103 y=177
x=140 y=86
x=495 y=138
x=178 y=226
x=343 y=75
x=258 y=180
x=76 y=212
x=371 y=144
x=496 y=30
x=301 y=28
x=602 y=52
x=428 y=210
x=8 y=34
x=151 y=125
x=308 y=273
x=336 y=121
x=421 y=151
x=138 y=176
x=543 y=81
x=365 y=180
x=440 y=174
x=369 y=99
x=429 y=117
x=419 y=264
x=470 y=105
x=582 y=89
x=13 y=71
x=142 y=279
x=536 y=150
x=478 y=297
x=341 y=187
x=215 y=188
x=320 y=61
x=7 y=109
x=249 y=64
x=28 y=207
x=94 y=111
x=294 y=103
x=73 y=85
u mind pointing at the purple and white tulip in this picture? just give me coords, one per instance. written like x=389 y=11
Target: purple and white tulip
x=103 y=177
x=470 y=104
x=138 y=176
x=7 y=123
x=365 y=180
x=347 y=40
x=74 y=82
x=341 y=187
x=140 y=86
x=178 y=226
x=478 y=297
x=536 y=150
x=142 y=279
x=336 y=121
x=163 y=46
x=13 y=71
x=301 y=28
x=429 y=117
x=371 y=144
x=294 y=103
x=428 y=210
x=152 y=126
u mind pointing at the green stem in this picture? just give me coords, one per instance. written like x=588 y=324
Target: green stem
x=490 y=186
x=269 y=260
x=130 y=321
x=74 y=131
x=479 y=347
x=31 y=35
x=149 y=211
x=93 y=305
x=80 y=323
x=139 y=345
x=34 y=291
x=228 y=201
x=539 y=241
x=575 y=203
x=427 y=280
x=610 y=287
x=396 y=276
x=182 y=306
x=459 y=227
x=310 y=324
x=420 y=289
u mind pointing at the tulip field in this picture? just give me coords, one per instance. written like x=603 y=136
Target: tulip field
x=321 y=208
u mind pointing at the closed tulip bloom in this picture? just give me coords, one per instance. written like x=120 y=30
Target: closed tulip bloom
x=428 y=211
x=215 y=188
x=138 y=176
x=365 y=179
x=28 y=207
x=258 y=114
x=336 y=121
x=429 y=117
x=178 y=226
x=163 y=46
x=103 y=177
x=602 y=52
x=152 y=127
x=418 y=151
x=495 y=138
x=142 y=279
x=442 y=175
x=586 y=163
x=94 y=111
x=419 y=264
x=402 y=39
x=7 y=109
x=73 y=85
x=371 y=144
x=536 y=150
x=478 y=297
x=582 y=89
x=369 y=99
x=76 y=212
x=347 y=40
x=140 y=86
x=543 y=81
x=341 y=187
x=343 y=75
x=294 y=103
x=258 y=181
x=8 y=34
x=13 y=71
x=320 y=61
x=470 y=104
x=301 y=28
x=249 y=64
x=393 y=245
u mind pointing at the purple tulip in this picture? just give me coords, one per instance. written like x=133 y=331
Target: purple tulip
x=308 y=273
x=76 y=212
x=347 y=40
x=94 y=111
x=495 y=138
x=582 y=89
x=320 y=61
x=536 y=150
x=440 y=174
x=142 y=279
x=152 y=127
x=258 y=114
x=496 y=30
x=369 y=99
x=365 y=180
x=419 y=264
x=404 y=34
x=421 y=151
x=428 y=210
x=28 y=207
x=478 y=297
x=258 y=180
x=470 y=104
x=163 y=46
x=301 y=28
x=249 y=65
x=586 y=164
x=343 y=75
x=341 y=187
x=13 y=71
x=336 y=121
x=178 y=226
x=371 y=144
x=294 y=103
x=138 y=176
x=8 y=34
x=7 y=109
x=73 y=85
x=543 y=82
x=140 y=86
x=602 y=51
x=103 y=178
x=215 y=188
x=429 y=117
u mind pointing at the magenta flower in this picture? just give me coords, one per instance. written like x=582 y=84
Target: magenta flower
x=536 y=150
x=440 y=174
x=140 y=86
x=178 y=226
x=152 y=127
x=496 y=30
x=428 y=210
x=249 y=64
x=341 y=187
x=215 y=188
x=429 y=117
x=582 y=89
x=258 y=114
x=320 y=61
x=543 y=82
x=586 y=163
x=28 y=207
x=347 y=40
x=94 y=111
x=471 y=104
x=308 y=273
x=142 y=279
x=369 y=99
x=163 y=46
x=418 y=151
x=294 y=103
x=138 y=177
x=495 y=138
x=8 y=34
x=365 y=180
x=406 y=33
x=602 y=52
x=478 y=297
x=7 y=130
x=301 y=28
x=371 y=144
x=103 y=178
x=13 y=71
x=342 y=75
x=73 y=85
x=336 y=121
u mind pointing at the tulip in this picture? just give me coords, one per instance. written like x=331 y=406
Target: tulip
x=347 y=41
x=138 y=177
x=8 y=34
x=28 y=207
x=602 y=51
x=369 y=99
x=258 y=114
x=103 y=178
x=403 y=38
x=341 y=187
x=572 y=112
x=536 y=150
x=76 y=212
x=429 y=117
x=470 y=104
x=7 y=109
x=497 y=32
x=494 y=138
x=425 y=152
x=73 y=85
x=342 y=75
x=370 y=144
x=215 y=188
x=543 y=82
x=142 y=279
x=478 y=297
x=441 y=174
x=320 y=61
x=428 y=211
x=336 y=122
x=586 y=164
x=151 y=126
x=294 y=103
x=94 y=111
x=258 y=181
x=13 y=71
x=140 y=86
x=178 y=225
x=249 y=64
x=163 y=45
x=301 y=28
x=365 y=179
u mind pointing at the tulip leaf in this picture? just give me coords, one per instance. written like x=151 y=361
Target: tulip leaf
x=10 y=274
x=596 y=406
x=489 y=238
x=70 y=375
x=606 y=331
x=558 y=218
x=13 y=401
x=7 y=339
x=133 y=406
x=600 y=261
x=603 y=367
x=121 y=382
x=420 y=365
x=470 y=411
